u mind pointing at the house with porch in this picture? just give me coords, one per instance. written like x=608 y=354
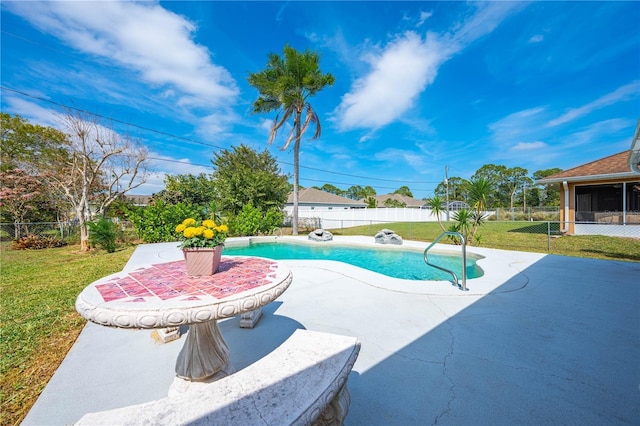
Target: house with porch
x=601 y=197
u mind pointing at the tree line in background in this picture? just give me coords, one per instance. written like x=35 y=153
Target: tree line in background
x=82 y=174
x=509 y=187
x=50 y=175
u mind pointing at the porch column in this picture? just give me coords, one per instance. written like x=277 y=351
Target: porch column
x=624 y=203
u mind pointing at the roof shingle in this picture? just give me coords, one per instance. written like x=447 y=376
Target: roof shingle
x=316 y=196
x=612 y=164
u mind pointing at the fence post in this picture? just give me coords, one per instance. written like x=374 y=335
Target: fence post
x=548 y=237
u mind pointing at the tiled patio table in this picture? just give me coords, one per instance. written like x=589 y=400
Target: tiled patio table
x=163 y=295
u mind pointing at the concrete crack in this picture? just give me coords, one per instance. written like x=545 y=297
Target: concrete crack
x=452 y=387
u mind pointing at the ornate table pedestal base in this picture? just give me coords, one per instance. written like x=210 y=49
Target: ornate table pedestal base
x=249 y=319
x=204 y=353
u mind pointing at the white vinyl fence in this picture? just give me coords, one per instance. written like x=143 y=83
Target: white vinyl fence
x=346 y=218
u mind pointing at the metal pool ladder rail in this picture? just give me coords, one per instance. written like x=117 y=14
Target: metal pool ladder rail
x=462 y=287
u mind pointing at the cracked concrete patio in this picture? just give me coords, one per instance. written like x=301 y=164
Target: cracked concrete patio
x=539 y=339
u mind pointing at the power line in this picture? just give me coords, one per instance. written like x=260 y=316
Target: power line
x=302 y=179
x=66 y=53
x=351 y=184
x=57 y=51
x=360 y=177
x=210 y=145
x=111 y=118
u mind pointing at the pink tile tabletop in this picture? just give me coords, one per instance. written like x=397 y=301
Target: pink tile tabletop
x=167 y=281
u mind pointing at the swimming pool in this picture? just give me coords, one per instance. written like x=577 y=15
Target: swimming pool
x=398 y=263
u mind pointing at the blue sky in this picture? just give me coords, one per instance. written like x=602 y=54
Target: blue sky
x=419 y=85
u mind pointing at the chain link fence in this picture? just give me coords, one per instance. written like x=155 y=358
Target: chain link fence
x=521 y=235
x=548 y=236
x=527 y=213
x=65 y=231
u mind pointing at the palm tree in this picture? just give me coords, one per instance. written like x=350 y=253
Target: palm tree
x=467 y=221
x=463 y=223
x=285 y=86
x=437 y=206
x=480 y=189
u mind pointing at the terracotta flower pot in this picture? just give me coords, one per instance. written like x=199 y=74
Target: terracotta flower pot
x=202 y=261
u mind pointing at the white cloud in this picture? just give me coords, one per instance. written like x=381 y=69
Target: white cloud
x=404 y=68
x=34 y=113
x=143 y=37
x=214 y=126
x=486 y=18
x=153 y=185
x=623 y=93
x=413 y=159
x=517 y=126
x=171 y=165
x=266 y=125
x=160 y=166
x=518 y=137
x=398 y=75
x=423 y=17
x=600 y=132
x=529 y=146
x=536 y=38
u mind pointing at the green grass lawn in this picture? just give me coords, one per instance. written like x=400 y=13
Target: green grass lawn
x=38 y=320
x=520 y=236
x=38 y=289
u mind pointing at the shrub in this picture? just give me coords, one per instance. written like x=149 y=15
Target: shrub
x=156 y=223
x=248 y=221
x=273 y=218
x=251 y=221
x=36 y=242
x=102 y=234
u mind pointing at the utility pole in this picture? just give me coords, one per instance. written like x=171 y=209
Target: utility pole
x=446 y=182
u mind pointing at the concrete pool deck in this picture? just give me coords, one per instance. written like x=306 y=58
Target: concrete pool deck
x=539 y=339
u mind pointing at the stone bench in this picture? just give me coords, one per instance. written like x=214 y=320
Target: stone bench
x=302 y=382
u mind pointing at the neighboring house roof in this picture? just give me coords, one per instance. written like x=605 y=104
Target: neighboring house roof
x=622 y=165
x=613 y=166
x=139 y=200
x=408 y=201
x=318 y=197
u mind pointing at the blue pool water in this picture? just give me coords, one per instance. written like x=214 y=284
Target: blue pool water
x=405 y=264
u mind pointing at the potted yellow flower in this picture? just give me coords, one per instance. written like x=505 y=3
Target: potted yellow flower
x=202 y=243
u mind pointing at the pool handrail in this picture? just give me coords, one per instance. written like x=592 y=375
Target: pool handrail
x=462 y=287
